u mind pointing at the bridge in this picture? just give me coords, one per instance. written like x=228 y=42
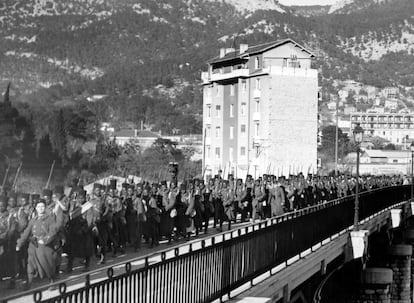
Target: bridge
x=282 y=259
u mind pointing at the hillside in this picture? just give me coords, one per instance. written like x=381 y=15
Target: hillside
x=146 y=56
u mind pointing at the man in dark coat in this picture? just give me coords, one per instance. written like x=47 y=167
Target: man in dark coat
x=80 y=231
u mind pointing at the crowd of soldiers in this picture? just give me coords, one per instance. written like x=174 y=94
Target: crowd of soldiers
x=41 y=228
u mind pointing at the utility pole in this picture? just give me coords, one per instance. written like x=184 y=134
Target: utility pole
x=336 y=137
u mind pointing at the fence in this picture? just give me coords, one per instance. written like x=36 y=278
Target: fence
x=212 y=271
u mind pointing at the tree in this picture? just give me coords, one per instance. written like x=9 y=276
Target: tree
x=328 y=143
x=59 y=137
x=10 y=135
x=389 y=146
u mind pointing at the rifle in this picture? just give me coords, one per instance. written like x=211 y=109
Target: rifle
x=5 y=177
x=50 y=174
x=17 y=176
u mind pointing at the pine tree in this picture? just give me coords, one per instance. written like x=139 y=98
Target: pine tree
x=58 y=136
x=10 y=143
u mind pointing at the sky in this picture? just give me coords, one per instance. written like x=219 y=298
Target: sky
x=307 y=2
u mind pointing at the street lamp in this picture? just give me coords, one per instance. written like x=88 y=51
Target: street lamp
x=358 y=137
x=412 y=166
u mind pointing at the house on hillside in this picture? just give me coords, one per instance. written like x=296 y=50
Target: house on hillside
x=382 y=162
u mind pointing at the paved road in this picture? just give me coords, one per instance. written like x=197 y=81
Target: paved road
x=137 y=260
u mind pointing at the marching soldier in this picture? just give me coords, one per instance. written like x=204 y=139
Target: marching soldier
x=8 y=232
x=41 y=234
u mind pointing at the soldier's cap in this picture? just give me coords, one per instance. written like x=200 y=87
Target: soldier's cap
x=82 y=193
x=97 y=185
x=239 y=180
x=24 y=196
x=112 y=183
x=249 y=176
x=35 y=197
x=183 y=186
x=59 y=189
x=163 y=182
x=75 y=182
x=43 y=201
x=46 y=192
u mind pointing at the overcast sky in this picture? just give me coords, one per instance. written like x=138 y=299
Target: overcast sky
x=307 y=2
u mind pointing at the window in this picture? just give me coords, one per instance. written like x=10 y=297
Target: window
x=242 y=151
x=208 y=151
x=209 y=111
x=257 y=83
x=232 y=90
x=243 y=109
x=257 y=151
x=208 y=131
x=218 y=111
x=285 y=62
x=217 y=152
x=218 y=132
x=217 y=90
x=256 y=129
x=231 y=110
x=231 y=132
x=394 y=161
x=244 y=85
x=231 y=154
x=257 y=63
x=243 y=129
x=257 y=106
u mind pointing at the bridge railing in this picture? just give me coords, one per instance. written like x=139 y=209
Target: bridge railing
x=211 y=271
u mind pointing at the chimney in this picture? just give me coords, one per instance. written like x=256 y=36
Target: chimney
x=222 y=52
x=243 y=48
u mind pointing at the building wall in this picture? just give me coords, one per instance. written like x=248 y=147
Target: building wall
x=293 y=122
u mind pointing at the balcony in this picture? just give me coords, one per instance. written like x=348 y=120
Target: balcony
x=257 y=93
x=256 y=116
x=243 y=72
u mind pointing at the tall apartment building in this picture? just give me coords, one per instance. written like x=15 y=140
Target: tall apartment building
x=260 y=112
x=395 y=127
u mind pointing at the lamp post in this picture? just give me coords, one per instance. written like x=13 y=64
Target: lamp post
x=412 y=167
x=358 y=137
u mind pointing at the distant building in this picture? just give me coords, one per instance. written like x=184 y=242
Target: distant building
x=391 y=92
x=391 y=104
x=143 y=138
x=260 y=107
x=389 y=162
x=394 y=127
x=332 y=105
x=349 y=110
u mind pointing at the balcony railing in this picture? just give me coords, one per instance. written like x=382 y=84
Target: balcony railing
x=243 y=72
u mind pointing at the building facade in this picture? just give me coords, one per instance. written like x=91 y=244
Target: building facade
x=260 y=110
x=394 y=127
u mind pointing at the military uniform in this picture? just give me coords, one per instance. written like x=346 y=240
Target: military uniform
x=41 y=233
